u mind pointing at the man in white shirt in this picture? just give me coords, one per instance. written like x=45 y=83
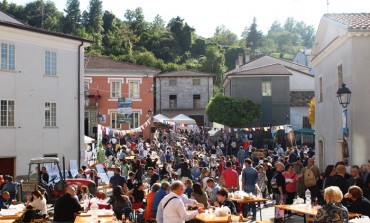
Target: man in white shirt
x=172 y=208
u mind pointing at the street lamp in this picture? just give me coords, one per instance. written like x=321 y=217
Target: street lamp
x=344 y=96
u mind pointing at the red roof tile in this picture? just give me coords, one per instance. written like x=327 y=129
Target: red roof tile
x=354 y=21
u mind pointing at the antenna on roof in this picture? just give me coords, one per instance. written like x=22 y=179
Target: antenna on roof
x=327 y=6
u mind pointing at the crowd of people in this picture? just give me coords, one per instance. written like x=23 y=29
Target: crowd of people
x=191 y=171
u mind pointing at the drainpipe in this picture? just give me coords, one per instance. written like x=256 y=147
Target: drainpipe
x=160 y=95
x=79 y=104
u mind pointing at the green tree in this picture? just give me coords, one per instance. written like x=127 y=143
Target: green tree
x=43 y=15
x=72 y=21
x=214 y=62
x=224 y=36
x=182 y=32
x=232 y=54
x=232 y=112
x=253 y=37
x=95 y=23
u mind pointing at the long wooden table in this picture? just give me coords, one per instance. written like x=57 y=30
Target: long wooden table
x=11 y=218
x=87 y=219
x=207 y=218
x=303 y=211
x=254 y=200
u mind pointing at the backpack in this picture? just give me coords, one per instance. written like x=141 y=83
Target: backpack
x=309 y=178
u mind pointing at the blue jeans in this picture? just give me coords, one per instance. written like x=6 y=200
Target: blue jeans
x=247 y=207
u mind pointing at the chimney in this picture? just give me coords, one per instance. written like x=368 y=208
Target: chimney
x=247 y=57
x=240 y=59
x=236 y=64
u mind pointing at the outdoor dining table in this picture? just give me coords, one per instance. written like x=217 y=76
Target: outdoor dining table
x=242 y=201
x=211 y=218
x=87 y=218
x=302 y=211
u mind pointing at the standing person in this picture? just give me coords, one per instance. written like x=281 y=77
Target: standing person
x=355 y=178
x=172 y=208
x=340 y=180
x=278 y=187
x=311 y=174
x=229 y=178
x=118 y=180
x=333 y=211
x=249 y=180
x=262 y=180
x=66 y=207
x=290 y=183
x=185 y=173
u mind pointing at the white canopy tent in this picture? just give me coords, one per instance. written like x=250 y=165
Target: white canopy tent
x=88 y=139
x=160 y=118
x=183 y=119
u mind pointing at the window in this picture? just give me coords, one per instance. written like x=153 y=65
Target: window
x=196 y=81
x=173 y=101
x=172 y=82
x=115 y=89
x=87 y=87
x=320 y=89
x=196 y=100
x=113 y=121
x=7 y=56
x=7 y=113
x=50 y=114
x=340 y=75
x=135 y=120
x=306 y=122
x=266 y=88
x=134 y=89
x=50 y=63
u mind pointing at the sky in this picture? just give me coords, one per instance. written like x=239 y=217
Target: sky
x=235 y=15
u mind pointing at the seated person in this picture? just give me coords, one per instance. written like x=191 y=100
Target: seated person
x=333 y=211
x=137 y=195
x=85 y=194
x=120 y=202
x=357 y=203
x=199 y=194
x=130 y=181
x=4 y=200
x=223 y=200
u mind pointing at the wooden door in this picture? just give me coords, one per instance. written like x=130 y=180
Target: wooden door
x=7 y=166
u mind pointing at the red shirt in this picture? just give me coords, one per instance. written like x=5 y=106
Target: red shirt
x=290 y=186
x=231 y=178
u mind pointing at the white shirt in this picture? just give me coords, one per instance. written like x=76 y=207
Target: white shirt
x=39 y=204
x=175 y=211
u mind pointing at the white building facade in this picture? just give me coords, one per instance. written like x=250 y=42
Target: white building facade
x=341 y=55
x=41 y=95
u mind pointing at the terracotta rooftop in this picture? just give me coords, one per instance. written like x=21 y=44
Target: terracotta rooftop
x=354 y=21
x=99 y=63
x=185 y=73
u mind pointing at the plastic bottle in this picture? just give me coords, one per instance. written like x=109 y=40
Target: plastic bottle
x=94 y=212
x=308 y=199
x=229 y=216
